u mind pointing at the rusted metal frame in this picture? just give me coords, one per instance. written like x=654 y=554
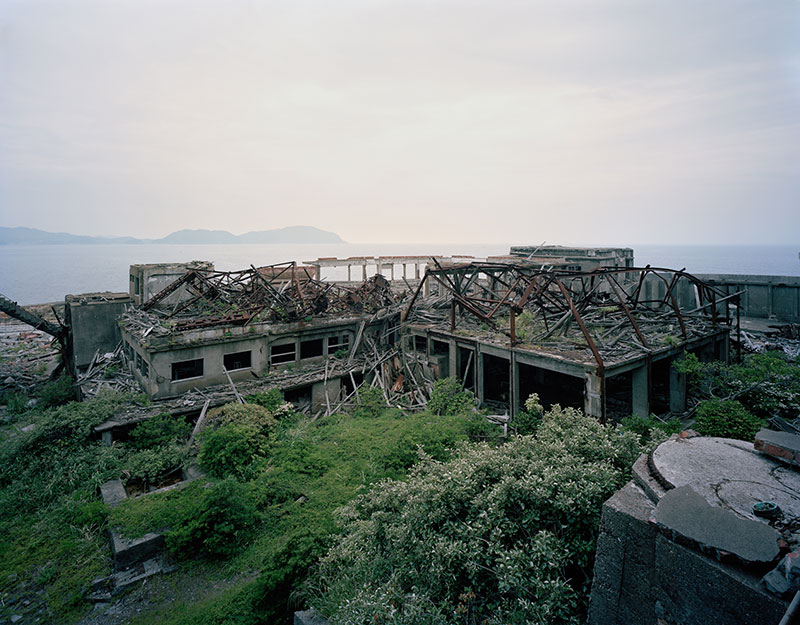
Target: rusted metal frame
x=505 y=297
x=637 y=292
x=670 y=286
x=581 y=325
x=628 y=314
x=673 y=301
x=169 y=289
x=407 y=311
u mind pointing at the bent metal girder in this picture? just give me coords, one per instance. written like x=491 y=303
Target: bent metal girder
x=491 y=291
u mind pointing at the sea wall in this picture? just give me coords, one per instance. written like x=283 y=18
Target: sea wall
x=768 y=297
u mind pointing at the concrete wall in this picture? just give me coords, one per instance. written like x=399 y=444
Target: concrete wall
x=643 y=578
x=766 y=296
x=92 y=319
x=147 y=280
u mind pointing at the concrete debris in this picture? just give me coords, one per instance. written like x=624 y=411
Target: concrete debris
x=688 y=518
x=776 y=583
x=784 y=446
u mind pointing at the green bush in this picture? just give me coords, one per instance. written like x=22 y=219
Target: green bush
x=150 y=465
x=271 y=399
x=728 y=419
x=231 y=449
x=243 y=414
x=217 y=525
x=16 y=403
x=651 y=429
x=495 y=535
x=57 y=393
x=370 y=402
x=448 y=398
x=162 y=429
x=527 y=421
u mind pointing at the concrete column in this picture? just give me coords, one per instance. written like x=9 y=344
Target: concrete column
x=349 y=267
x=452 y=354
x=514 y=397
x=392 y=271
x=404 y=271
x=640 y=399
x=416 y=271
x=479 y=374
x=364 y=271
x=677 y=390
x=593 y=395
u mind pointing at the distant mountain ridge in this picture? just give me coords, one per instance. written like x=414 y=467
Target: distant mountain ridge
x=290 y=234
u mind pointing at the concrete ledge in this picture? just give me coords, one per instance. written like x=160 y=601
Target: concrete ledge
x=686 y=517
x=782 y=446
x=127 y=551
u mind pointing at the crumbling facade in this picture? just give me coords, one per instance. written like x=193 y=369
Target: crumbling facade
x=601 y=340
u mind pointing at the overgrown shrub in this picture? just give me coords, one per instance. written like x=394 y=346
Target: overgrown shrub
x=651 y=429
x=271 y=399
x=243 y=414
x=767 y=385
x=217 y=525
x=16 y=403
x=729 y=419
x=448 y=398
x=527 y=421
x=57 y=393
x=149 y=465
x=495 y=535
x=370 y=402
x=162 y=429
x=231 y=449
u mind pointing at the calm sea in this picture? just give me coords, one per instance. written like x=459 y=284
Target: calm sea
x=45 y=273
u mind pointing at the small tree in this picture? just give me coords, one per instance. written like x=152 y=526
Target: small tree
x=448 y=398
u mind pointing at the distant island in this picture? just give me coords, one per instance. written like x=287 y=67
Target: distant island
x=290 y=234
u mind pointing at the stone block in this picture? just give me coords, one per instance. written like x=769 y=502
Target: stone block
x=128 y=551
x=113 y=492
x=781 y=445
x=688 y=518
x=309 y=617
x=776 y=583
x=791 y=570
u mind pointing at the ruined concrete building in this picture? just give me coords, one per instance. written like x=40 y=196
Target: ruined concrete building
x=601 y=339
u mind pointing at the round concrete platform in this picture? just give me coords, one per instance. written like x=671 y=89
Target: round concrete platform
x=729 y=474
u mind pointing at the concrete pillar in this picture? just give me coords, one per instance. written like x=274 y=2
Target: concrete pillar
x=107 y=437
x=479 y=374
x=349 y=267
x=514 y=397
x=416 y=271
x=392 y=271
x=593 y=395
x=404 y=271
x=452 y=354
x=677 y=390
x=364 y=271
x=640 y=400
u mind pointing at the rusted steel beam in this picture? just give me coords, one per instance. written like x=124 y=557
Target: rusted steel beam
x=628 y=314
x=582 y=326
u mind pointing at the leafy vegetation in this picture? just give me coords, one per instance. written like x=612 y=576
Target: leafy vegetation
x=767 y=385
x=651 y=430
x=727 y=418
x=448 y=398
x=494 y=535
x=162 y=429
x=527 y=421
x=310 y=469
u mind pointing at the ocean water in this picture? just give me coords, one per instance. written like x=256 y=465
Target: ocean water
x=34 y=274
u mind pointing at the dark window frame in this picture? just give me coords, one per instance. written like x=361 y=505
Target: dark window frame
x=187 y=369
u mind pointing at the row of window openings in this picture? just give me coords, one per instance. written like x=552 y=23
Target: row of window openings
x=185 y=369
x=287 y=352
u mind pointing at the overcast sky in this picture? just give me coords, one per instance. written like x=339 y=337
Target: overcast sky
x=566 y=121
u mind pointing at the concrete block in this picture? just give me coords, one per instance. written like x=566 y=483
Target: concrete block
x=113 y=492
x=791 y=568
x=776 y=583
x=781 y=445
x=693 y=588
x=127 y=552
x=624 y=571
x=309 y=617
x=687 y=517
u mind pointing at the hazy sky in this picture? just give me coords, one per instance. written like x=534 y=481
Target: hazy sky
x=566 y=121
